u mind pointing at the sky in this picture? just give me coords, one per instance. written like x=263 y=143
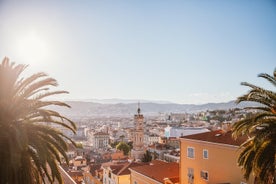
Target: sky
x=190 y=52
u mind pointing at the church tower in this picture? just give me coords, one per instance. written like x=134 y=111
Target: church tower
x=138 y=135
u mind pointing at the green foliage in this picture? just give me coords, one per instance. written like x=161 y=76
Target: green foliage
x=30 y=147
x=123 y=147
x=147 y=157
x=79 y=145
x=130 y=145
x=114 y=144
x=258 y=152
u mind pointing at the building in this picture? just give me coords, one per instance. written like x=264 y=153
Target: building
x=138 y=136
x=94 y=175
x=100 y=140
x=210 y=157
x=158 y=172
x=170 y=141
x=118 y=173
x=172 y=156
x=183 y=131
x=117 y=155
x=150 y=139
x=78 y=163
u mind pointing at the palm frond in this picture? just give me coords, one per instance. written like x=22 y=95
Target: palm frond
x=32 y=148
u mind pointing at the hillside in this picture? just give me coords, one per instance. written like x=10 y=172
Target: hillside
x=80 y=108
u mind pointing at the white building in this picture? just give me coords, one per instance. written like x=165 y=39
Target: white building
x=151 y=139
x=183 y=131
x=100 y=140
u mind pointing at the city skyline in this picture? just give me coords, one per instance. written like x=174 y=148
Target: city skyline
x=183 y=52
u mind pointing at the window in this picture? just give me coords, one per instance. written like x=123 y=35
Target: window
x=204 y=175
x=191 y=152
x=190 y=175
x=205 y=154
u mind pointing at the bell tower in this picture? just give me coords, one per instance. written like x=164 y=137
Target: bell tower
x=138 y=135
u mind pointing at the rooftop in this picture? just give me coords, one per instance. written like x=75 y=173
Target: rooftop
x=159 y=172
x=218 y=136
x=123 y=169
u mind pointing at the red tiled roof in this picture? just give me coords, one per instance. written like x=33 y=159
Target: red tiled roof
x=125 y=170
x=93 y=168
x=218 y=136
x=174 y=179
x=160 y=171
x=157 y=162
x=75 y=173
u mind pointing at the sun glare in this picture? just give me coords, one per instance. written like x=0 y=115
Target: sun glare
x=31 y=48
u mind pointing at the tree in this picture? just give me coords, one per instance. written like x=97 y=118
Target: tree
x=123 y=147
x=130 y=144
x=258 y=156
x=147 y=157
x=114 y=144
x=30 y=147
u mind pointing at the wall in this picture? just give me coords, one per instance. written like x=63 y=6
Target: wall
x=221 y=163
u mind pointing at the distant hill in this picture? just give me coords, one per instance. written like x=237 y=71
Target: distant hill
x=87 y=109
x=124 y=101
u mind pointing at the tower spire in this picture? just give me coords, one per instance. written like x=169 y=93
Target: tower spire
x=138 y=110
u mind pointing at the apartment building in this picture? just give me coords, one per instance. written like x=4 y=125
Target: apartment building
x=210 y=157
x=118 y=173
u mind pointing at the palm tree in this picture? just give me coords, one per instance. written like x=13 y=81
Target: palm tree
x=30 y=147
x=258 y=156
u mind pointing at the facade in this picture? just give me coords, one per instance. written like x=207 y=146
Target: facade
x=100 y=140
x=118 y=173
x=79 y=162
x=210 y=157
x=94 y=175
x=172 y=156
x=150 y=139
x=171 y=141
x=158 y=173
x=138 y=136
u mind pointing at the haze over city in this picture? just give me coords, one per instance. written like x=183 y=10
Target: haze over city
x=176 y=51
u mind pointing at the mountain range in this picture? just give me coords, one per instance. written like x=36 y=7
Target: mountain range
x=92 y=109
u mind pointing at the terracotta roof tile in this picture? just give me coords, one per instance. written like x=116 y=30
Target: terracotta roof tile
x=75 y=173
x=93 y=168
x=157 y=162
x=160 y=171
x=218 y=136
x=174 y=179
x=123 y=169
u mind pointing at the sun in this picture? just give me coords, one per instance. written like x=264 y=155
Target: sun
x=32 y=48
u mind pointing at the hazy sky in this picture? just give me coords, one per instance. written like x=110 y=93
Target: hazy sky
x=179 y=51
